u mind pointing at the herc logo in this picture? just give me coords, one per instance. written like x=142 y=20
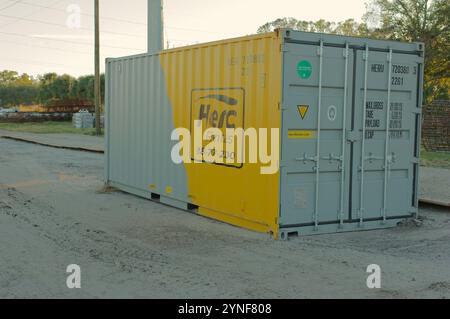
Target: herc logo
x=220 y=109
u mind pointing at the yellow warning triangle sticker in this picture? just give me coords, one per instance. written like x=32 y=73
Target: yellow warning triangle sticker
x=303 y=110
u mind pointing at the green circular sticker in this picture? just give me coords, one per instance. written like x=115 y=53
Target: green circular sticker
x=304 y=69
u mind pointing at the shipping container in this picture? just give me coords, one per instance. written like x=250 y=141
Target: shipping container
x=348 y=113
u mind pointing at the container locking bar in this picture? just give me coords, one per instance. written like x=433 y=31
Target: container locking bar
x=319 y=116
x=363 y=143
x=387 y=159
x=344 y=138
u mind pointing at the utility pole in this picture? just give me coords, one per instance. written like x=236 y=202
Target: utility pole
x=97 y=69
x=155 y=26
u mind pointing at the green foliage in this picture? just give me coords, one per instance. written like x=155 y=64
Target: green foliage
x=8 y=77
x=348 y=27
x=15 y=87
x=424 y=21
x=84 y=88
x=22 y=89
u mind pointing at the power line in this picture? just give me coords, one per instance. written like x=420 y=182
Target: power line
x=80 y=43
x=65 y=27
x=124 y=20
x=68 y=41
x=46 y=47
x=40 y=63
x=10 y=5
x=182 y=41
x=87 y=14
x=29 y=15
x=63 y=69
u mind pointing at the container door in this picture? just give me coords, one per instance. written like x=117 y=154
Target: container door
x=385 y=126
x=315 y=160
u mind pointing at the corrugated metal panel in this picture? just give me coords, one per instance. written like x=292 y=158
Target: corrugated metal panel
x=355 y=165
x=150 y=95
x=140 y=120
x=337 y=173
x=241 y=196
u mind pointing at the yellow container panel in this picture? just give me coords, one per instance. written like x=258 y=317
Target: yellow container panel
x=246 y=71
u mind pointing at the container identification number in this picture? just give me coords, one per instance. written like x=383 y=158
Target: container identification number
x=397 y=70
x=398 y=81
x=400 y=69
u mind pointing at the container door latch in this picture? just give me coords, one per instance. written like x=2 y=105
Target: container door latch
x=353 y=136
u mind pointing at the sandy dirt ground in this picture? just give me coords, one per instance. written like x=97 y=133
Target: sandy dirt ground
x=76 y=141
x=435 y=185
x=53 y=213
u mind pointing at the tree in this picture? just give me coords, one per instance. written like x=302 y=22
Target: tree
x=23 y=89
x=24 y=79
x=8 y=77
x=16 y=89
x=349 y=27
x=62 y=87
x=45 y=87
x=53 y=87
x=290 y=23
x=424 y=21
x=85 y=88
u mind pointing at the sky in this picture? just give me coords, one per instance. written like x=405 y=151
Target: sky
x=38 y=37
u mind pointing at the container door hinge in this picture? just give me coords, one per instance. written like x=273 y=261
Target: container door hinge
x=346 y=52
x=320 y=50
x=282 y=107
x=365 y=56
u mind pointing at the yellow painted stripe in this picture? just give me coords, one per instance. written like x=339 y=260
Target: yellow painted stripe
x=296 y=134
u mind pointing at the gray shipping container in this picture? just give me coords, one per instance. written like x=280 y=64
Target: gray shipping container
x=348 y=110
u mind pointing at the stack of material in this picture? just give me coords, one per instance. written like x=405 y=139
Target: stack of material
x=83 y=119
